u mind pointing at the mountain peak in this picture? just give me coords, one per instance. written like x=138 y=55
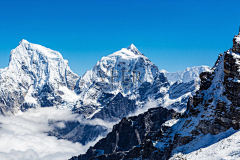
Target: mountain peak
x=131 y=46
x=134 y=49
x=34 y=58
x=23 y=41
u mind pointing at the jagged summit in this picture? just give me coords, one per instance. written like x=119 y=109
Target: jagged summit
x=131 y=46
x=32 y=68
x=134 y=49
x=23 y=41
x=27 y=48
x=131 y=52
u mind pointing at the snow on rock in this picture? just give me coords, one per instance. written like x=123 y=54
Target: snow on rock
x=212 y=114
x=222 y=146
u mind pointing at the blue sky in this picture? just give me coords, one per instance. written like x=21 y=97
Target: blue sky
x=172 y=34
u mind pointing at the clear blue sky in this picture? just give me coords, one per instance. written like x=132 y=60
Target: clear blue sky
x=172 y=34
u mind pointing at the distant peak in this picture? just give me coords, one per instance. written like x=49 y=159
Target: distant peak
x=134 y=49
x=23 y=41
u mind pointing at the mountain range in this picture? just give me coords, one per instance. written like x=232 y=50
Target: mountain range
x=208 y=129
x=123 y=84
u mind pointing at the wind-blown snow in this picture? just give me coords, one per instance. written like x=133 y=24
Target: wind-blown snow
x=224 y=146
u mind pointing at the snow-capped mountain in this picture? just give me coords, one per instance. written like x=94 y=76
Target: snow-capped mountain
x=187 y=75
x=117 y=86
x=36 y=76
x=133 y=77
x=212 y=115
x=40 y=77
x=127 y=72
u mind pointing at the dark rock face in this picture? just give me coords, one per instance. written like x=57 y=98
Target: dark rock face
x=236 y=45
x=117 y=108
x=131 y=132
x=48 y=97
x=143 y=151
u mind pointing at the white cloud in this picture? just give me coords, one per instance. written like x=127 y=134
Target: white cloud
x=97 y=121
x=24 y=137
x=149 y=104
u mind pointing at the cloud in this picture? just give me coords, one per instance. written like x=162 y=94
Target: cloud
x=24 y=136
x=147 y=105
x=97 y=121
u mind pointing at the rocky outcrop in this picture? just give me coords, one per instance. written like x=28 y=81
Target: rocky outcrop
x=131 y=132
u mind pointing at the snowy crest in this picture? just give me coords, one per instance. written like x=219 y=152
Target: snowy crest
x=127 y=72
x=134 y=49
x=36 y=65
x=119 y=69
x=33 y=77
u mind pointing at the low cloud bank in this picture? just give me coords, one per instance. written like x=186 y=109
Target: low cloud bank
x=24 y=136
x=146 y=106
